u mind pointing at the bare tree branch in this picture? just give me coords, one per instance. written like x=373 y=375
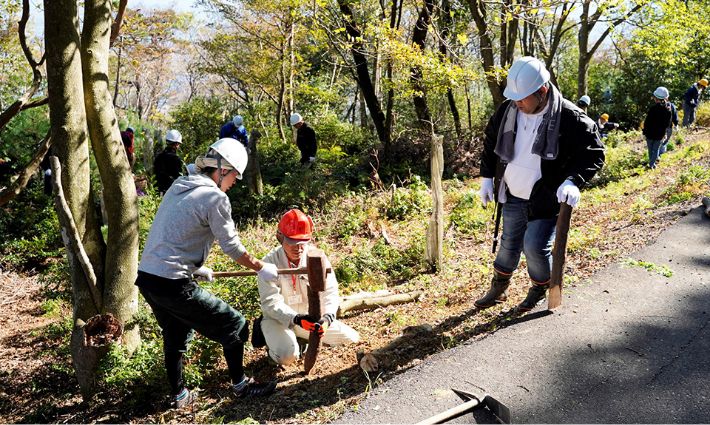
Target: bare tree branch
x=116 y=26
x=21 y=179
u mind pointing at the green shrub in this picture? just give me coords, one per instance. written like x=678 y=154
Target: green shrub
x=408 y=201
x=621 y=162
x=468 y=215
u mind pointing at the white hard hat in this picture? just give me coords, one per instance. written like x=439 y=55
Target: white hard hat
x=585 y=100
x=237 y=120
x=525 y=77
x=296 y=118
x=233 y=152
x=661 y=92
x=173 y=136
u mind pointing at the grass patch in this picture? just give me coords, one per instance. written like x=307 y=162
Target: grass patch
x=651 y=267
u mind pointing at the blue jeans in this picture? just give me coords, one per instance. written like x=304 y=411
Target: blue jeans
x=534 y=238
x=654 y=147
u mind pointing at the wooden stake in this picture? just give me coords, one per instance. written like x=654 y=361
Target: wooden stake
x=316 y=285
x=554 y=298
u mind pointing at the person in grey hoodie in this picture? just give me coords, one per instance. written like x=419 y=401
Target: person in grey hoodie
x=194 y=212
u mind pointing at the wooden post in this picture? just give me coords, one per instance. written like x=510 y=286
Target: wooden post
x=554 y=298
x=316 y=285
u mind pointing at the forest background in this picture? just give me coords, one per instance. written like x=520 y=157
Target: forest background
x=383 y=84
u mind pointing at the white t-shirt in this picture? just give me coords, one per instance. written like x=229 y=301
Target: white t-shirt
x=524 y=170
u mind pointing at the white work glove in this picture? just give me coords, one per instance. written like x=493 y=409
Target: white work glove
x=204 y=273
x=268 y=272
x=311 y=159
x=486 y=192
x=569 y=193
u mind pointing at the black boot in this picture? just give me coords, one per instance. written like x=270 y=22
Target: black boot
x=496 y=294
x=536 y=293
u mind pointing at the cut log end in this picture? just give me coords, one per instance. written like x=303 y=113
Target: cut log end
x=101 y=330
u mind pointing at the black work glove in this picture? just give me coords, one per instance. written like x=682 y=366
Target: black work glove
x=306 y=321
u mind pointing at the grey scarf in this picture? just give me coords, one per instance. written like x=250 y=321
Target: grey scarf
x=547 y=142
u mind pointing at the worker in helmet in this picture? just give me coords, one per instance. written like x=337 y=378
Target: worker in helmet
x=195 y=212
x=605 y=126
x=539 y=150
x=669 y=130
x=236 y=130
x=658 y=119
x=691 y=99
x=284 y=300
x=584 y=102
x=305 y=139
x=168 y=166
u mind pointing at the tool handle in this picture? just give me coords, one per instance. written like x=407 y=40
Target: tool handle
x=554 y=297
x=301 y=270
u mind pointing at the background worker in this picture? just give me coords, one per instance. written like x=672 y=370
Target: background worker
x=127 y=137
x=691 y=99
x=669 y=130
x=658 y=119
x=194 y=212
x=584 y=102
x=539 y=150
x=235 y=129
x=605 y=126
x=284 y=300
x=167 y=165
x=305 y=139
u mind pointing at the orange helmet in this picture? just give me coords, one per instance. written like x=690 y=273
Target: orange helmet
x=295 y=224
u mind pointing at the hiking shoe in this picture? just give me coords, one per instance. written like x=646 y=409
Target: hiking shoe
x=250 y=388
x=536 y=293
x=257 y=335
x=185 y=398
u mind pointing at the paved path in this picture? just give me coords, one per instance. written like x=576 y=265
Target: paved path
x=631 y=347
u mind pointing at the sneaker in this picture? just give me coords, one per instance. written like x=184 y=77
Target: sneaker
x=185 y=398
x=250 y=388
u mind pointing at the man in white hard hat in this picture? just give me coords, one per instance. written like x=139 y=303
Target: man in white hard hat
x=194 y=212
x=584 y=102
x=539 y=150
x=657 y=121
x=168 y=166
x=305 y=139
x=235 y=129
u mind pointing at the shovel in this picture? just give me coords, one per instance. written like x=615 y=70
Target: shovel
x=471 y=401
x=554 y=298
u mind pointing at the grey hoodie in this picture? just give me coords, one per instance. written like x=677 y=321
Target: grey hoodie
x=193 y=213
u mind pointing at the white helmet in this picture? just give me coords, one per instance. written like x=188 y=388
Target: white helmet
x=238 y=120
x=233 y=152
x=585 y=100
x=296 y=118
x=173 y=136
x=525 y=77
x=661 y=93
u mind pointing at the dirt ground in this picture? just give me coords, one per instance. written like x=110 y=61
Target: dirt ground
x=37 y=383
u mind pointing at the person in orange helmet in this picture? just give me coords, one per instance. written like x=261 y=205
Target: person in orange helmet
x=284 y=300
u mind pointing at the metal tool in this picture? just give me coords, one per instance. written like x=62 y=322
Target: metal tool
x=471 y=401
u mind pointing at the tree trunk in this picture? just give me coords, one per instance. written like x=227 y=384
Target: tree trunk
x=418 y=38
x=70 y=143
x=445 y=31
x=362 y=72
x=120 y=295
x=477 y=9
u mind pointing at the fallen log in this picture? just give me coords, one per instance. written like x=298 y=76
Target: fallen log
x=377 y=301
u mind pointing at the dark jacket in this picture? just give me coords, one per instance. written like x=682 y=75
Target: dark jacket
x=167 y=167
x=306 y=142
x=580 y=156
x=691 y=95
x=674 y=114
x=657 y=121
x=235 y=132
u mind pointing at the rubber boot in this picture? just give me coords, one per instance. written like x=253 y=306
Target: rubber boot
x=536 y=293
x=496 y=294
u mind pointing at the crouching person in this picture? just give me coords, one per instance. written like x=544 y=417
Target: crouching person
x=194 y=212
x=284 y=300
